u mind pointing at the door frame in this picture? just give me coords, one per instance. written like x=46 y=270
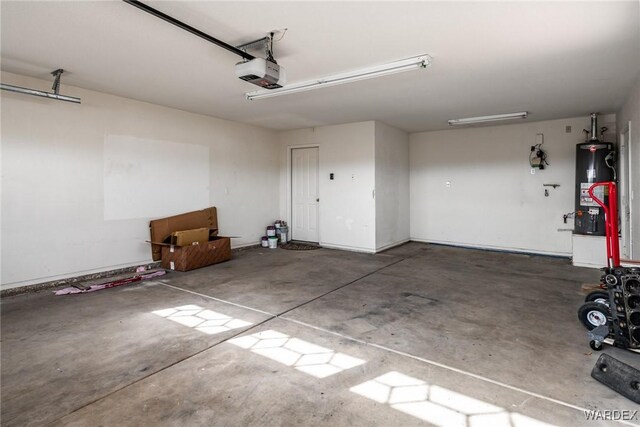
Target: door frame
x=290 y=149
x=625 y=190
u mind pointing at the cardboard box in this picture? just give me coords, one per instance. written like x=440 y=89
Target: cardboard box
x=190 y=237
x=172 y=240
x=185 y=258
x=161 y=229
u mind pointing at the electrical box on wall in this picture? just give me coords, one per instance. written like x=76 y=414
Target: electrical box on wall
x=537 y=156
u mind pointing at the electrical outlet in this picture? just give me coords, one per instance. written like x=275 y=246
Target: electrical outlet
x=567 y=129
x=447 y=184
x=533 y=171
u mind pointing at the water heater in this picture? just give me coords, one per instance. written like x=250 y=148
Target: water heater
x=594 y=163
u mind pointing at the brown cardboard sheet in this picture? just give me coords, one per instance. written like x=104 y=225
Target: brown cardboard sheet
x=190 y=237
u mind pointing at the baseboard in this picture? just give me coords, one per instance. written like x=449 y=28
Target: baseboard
x=494 y=248
x=630 y=263
x=586 y=264
x=61 y=280
x=348 y=248
x=67 y=279
x=392 y=245
x=244 y=246
x=599 y=266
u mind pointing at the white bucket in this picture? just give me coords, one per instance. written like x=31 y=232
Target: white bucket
x=265 y=242
x=282 y=234
x=271 y=231
x=273 y=242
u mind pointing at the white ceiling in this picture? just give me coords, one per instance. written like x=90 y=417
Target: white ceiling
x=553 y=59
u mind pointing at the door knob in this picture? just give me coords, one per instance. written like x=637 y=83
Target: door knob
x=318 y=199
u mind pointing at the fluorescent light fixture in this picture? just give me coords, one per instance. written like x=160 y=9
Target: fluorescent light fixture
x=483 y=119
x=414 y=63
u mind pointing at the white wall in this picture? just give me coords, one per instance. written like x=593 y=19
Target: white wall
x=630 y=112
x=347 y=206
x=54 y=174
x=392 y=186
x=494 y=201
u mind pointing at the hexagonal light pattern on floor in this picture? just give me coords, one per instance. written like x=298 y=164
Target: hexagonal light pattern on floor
x=201 y=319
x=304 y=356
x=437 y=405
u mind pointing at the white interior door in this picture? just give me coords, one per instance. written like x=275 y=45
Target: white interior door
x=304 y=194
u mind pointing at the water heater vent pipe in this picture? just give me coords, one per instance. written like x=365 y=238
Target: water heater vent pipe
x=594 y=127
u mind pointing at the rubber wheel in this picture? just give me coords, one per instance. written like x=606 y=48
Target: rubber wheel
x=601 y=297
x=595 y=346
x=593 y=314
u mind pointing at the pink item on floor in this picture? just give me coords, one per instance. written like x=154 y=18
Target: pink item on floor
x=113 y=284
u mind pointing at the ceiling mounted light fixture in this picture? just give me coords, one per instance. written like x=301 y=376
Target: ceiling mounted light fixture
x=414 y=63
x=483 y=119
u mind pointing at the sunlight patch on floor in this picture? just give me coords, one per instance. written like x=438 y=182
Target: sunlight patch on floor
x=319 y=362
x=201 y=319
x=438 y=405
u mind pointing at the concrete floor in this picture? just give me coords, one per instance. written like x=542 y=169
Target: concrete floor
x=418 y=335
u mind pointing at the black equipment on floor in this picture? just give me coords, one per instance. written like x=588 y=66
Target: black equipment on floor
x=618 y=318
x=618 y=376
